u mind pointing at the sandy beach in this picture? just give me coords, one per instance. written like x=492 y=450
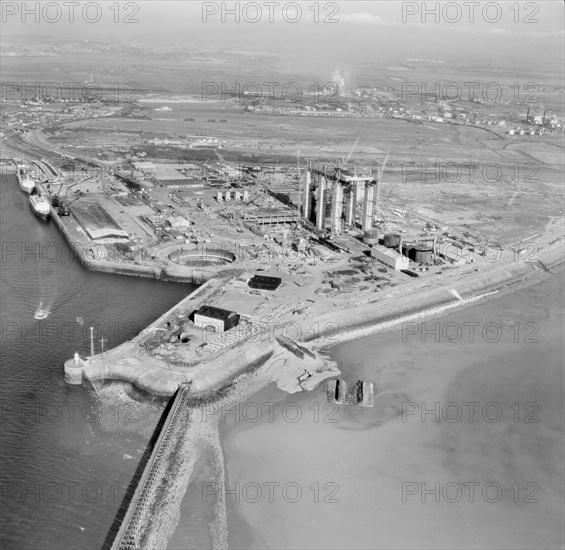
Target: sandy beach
x=366 y=458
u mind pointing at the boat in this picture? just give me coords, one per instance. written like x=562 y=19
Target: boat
x=26 y=183
x=41 y=312
x=40 y=206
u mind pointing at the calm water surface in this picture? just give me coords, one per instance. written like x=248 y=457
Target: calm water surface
x=62 y=475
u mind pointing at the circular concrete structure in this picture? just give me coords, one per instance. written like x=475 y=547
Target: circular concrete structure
x=202 y=257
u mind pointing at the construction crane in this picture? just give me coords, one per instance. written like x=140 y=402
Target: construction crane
x=224 y=163
x=376 y=199
x=266 y=187
x=258 y=194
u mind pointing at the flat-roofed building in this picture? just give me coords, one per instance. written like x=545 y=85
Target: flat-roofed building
x=390 y=257
x=96 y=221
x=145 y=166
x=214 y=318
x=179 y=223
x=263 y=282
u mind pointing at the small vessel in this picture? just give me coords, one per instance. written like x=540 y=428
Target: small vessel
x=26 y=183
x=40 y=206
x=41 y=312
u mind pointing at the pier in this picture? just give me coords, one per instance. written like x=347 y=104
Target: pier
x=134 y=524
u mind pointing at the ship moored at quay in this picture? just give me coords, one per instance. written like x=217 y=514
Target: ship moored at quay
x=40 y=206
x=26 y=182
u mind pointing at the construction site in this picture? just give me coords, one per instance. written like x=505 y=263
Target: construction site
x=333 y=228
x=288 y=218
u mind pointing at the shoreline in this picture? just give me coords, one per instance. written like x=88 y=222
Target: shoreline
x=163 y=379
x=386 y=313
x=245 y=386
x=420 y=374
x=199 y=442
x=411 y=301
x=523 y=276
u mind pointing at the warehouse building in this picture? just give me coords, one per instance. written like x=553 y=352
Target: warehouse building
x=214 y=318
x=389 y=257
x=145 y=167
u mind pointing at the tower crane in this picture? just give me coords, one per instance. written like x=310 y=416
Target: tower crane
x=265 y=188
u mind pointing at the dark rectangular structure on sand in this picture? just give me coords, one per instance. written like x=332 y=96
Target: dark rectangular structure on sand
x=262 y=282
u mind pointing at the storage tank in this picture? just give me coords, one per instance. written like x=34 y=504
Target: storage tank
x=423 y=253
x=371 y=236
x=391 y=240
x=408 y=251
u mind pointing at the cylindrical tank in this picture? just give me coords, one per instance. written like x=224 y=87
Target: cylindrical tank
x=392 y=240
x=371 y=236
x=423 y=253
x=408 y=250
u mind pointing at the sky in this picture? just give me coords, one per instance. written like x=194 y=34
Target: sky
x=339 y=31
x=540 y=19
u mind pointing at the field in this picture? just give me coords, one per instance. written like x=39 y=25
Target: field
x=501 y=187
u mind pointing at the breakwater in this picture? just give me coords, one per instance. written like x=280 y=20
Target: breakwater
x=395 y=308
x=134 y=525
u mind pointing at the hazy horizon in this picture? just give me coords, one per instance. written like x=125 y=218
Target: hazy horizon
x=363 y=29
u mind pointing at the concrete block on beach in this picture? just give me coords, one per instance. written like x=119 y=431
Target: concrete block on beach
x=359 y=393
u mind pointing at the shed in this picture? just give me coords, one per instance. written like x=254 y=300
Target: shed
x=220 y=320
x=263 y=282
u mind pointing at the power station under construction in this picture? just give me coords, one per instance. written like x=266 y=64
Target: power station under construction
x=332 y=194
x=341 y=208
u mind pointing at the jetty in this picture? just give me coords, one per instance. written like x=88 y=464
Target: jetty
x=130 y=535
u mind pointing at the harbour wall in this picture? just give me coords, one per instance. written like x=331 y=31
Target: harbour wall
x=173 y=273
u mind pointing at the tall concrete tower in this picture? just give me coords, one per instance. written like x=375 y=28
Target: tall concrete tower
x=337 y=206
x=368 y=206
x=351 y=203
x=306 y=197
x=321 y=205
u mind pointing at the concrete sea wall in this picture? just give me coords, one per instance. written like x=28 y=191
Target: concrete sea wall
x=390 y=311
x=174 y=273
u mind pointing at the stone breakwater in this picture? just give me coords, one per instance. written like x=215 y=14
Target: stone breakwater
x=195 y=437
x=397 y=306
